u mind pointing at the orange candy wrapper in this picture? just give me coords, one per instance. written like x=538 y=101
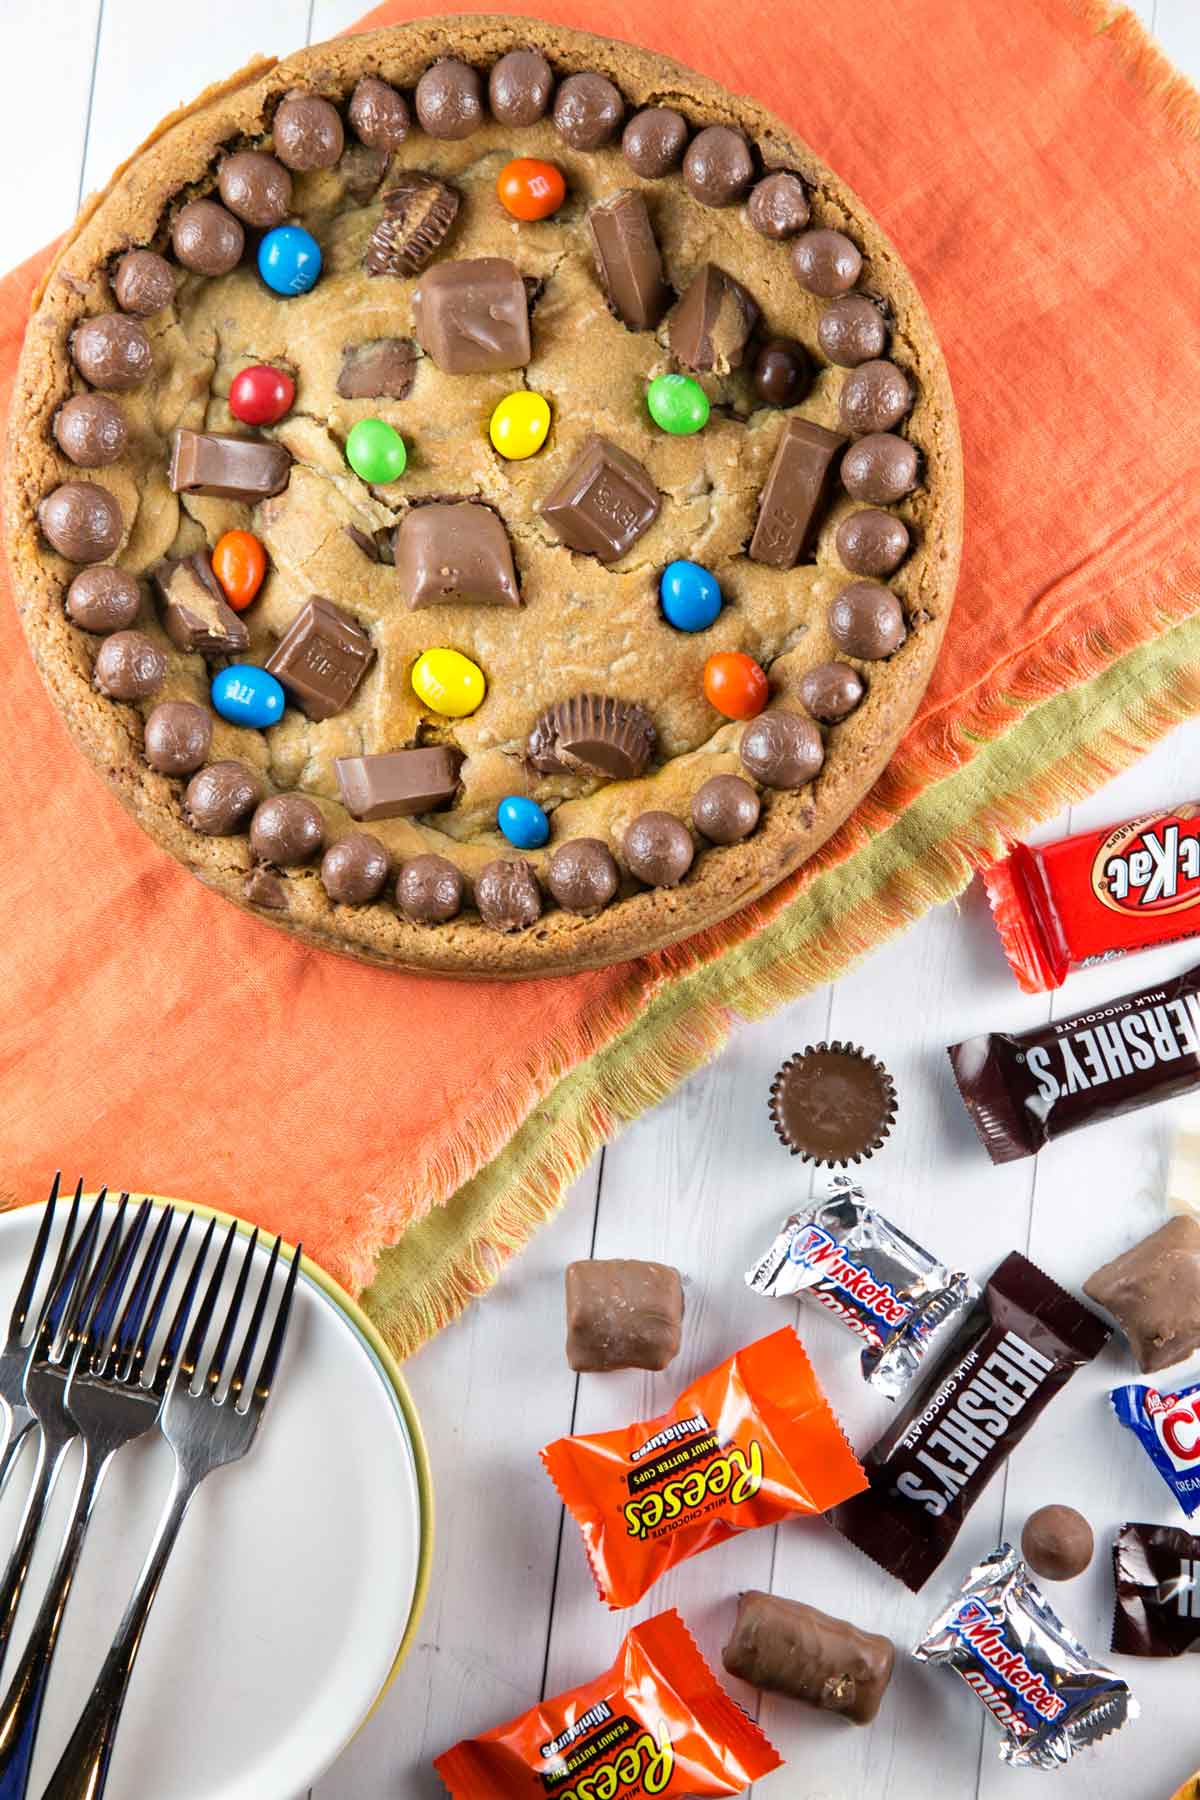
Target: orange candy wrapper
x=747 y=1445
x=657 y=1722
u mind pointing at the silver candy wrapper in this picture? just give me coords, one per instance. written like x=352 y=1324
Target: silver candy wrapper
x=1048 y=1694
x=891 y=1293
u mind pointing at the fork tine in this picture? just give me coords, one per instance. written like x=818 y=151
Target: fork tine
x=68 y=1289
x=138 y=1325
x=98 y=1328
x=89 y=1290
x=169 y=1354
x=20 y=1311
x=66 y=1245
x=231 y=1317
x=270 y=1362
x=238 y=1379
x=195 y=1343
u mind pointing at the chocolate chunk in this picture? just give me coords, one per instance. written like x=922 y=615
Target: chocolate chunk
x=519 y=87
x=588 y=110
x=129 y=666
x=659 y=849
x=418 y=214
x=379 y=114
x=177 y=736
x=791 y=1648
x=871 y=542
x=255 y=187
x=397 y=784
x=321 y=658
x=455 y=555
x=1057 y=1542
x=361 y=170
x=852 y=330
x=112 y=351
x=628 y=260
x=881 y=469
x=826 y=263
x=782 y=750
x=195 y=614
x=381 y=368
x=450 y=99
x=718 y=167
x=264 y=888
x=623 y=1315
x=779 y=205
x=1153 y=1292
x=82 y=521
x=354 y=871
x=595 y=733
x=792 y=493
x=874 y=397
x=207 y=238
x=710 y=324
x=508 y=896
x=604 y=503
x=377 y=547
x=91 y=432
x=227 y=466
x=429 y=890
x=308 y=132
x=781 y=372
x=832 y=1103
x=653 y=142
x=866 y=620
x=287 y=830
x=143 y=283
x=103 y=599
x=582 y=875
x=222 y=797
x=725 y=809
x=472 y=317
x=831 y=691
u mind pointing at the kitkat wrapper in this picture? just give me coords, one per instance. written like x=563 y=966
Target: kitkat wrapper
x=657 y=1722
x=750 y=1443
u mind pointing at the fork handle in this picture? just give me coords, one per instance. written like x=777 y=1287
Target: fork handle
x=18 y=1431
x=51 y=1451
x=82 y=1771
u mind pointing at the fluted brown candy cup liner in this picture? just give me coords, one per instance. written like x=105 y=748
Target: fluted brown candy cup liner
x=832 y=1104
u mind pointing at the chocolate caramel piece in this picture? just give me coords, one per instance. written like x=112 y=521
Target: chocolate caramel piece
x=628 y=260
x=594 y=733
x=622 y=1315
x=872 y=542
x=449 y=99
x=418 y=214
x=654 y=140
x=1153 y=1292
x=519 y=87
x=221 y=798
x=588 y=110
x=582 y=875
x=791 y=1648
x=287 y=830
x=177 y=736
x=1057 y=1542
x=143 y=283
x=604 y=503
x=429 y=890
x=778 y=206
x=508 y=896
x=454 y=555
x=227 y=466
x=379 y=114
x=725 y=809
x=792 y=493
x=354 y=871
x=195 y=614
x=321 y=658
x=398 y=784
x=380 y=368
x=207 y=238
x=782 y=749
x=113 y=351
x=129 y=666
x=472 y=316
x=709 y=327
x=659 y=849
x=866 y=620
x=91 y=432
x=831 y=691
x=103 y=599
x=718 y=167
x=82 y=521
x=308 y=131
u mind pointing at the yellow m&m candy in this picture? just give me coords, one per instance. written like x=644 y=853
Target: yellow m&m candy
x=449 y=683
x=519 y=425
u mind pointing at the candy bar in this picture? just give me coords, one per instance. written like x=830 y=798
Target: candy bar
x=454 y=555
x=227 y=466
x=752 y=1442
x=1167 y=1426
x=656 y=1722
x=1025 y=1088
x=1047 y=1693
x=472 y=317
x=1156 y=1571
x=790 y=1648
x=398 y=783
x=1012 y=1353
x=604 y=502
x=893 y=1295
x=1098 y=894
x=321 y=658
x=792 y=493
x=1153 y=1292
x=628 y=260
x=195 y=613
x=622 y=1315
x=380 y=368
x=709 y=327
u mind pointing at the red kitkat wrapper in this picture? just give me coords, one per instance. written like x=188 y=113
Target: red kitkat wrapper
x=752 y=1442
x=657 y=1722
x=1097 y=894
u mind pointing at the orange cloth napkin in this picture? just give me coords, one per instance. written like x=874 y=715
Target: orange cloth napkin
x=1041 y=176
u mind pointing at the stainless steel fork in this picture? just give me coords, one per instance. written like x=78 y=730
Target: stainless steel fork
x=206 y=1427
x=15 y=1353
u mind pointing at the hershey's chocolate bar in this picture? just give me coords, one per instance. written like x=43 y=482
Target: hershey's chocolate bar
x=1156 y=1571
x=628 y=260
x=195 y=614
x=227 y=466
x=321 y=658
x=398 y=783
x=604 y=502
x=793 y=492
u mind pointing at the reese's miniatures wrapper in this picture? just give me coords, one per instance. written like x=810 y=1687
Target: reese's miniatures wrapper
x=1167 y=1426
x=1048 y=1694
x=1017 y=1347
x=899 y=1300
x=1156 y=1572
x=657 y=1722
x=751 y=1443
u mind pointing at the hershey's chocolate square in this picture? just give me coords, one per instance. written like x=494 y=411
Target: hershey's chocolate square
x=709 y=327
x=604 y=502
x=227 y=466
x=321 y=658
x=628 y=260
x=472 y=316
x=398 y=783
x=623 y=1315
x=195 y=614
x=454 y=555
x=792 y=493
x=379 y=368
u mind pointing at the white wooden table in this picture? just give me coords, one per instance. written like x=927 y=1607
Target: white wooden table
x=701 y=1182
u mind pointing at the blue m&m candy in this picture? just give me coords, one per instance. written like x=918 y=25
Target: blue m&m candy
x=247 y=695
x=690 y=595
x=523 y=822
x=289 y=259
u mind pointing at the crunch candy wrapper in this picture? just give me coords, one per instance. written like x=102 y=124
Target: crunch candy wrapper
x=749 y=1444
x=657 y=1722
x=1167 y=1426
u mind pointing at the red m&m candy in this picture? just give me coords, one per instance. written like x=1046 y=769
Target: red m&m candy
x=734 y=684
x=261 y=395
x=530 y=189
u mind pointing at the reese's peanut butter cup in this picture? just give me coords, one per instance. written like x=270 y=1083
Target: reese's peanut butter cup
x=418 y=214
x=594 y=733
x=832 y=1103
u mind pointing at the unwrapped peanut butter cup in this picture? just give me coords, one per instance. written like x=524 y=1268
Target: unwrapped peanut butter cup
x=832 y=1103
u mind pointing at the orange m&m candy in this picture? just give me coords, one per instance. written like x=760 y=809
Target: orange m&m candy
x=734 y=684
x=530 y=189
x=239 y=564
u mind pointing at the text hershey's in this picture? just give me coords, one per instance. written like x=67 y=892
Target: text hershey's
x=1095 y=1054
x=968 y=1431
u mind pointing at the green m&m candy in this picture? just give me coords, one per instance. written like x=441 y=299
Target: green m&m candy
x=375 y=451
x=678 y=404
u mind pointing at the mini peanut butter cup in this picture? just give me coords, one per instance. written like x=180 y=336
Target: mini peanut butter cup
x=832 y=1104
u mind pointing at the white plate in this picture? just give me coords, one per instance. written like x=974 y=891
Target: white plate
x=285 y=1604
